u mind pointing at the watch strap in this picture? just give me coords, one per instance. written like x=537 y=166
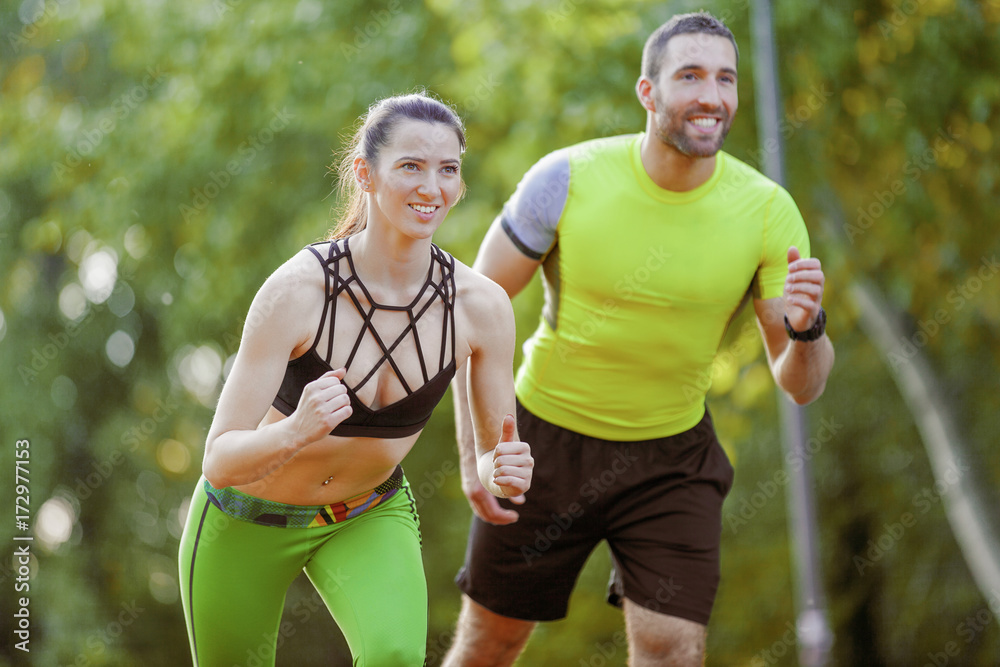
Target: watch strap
x=814 y=332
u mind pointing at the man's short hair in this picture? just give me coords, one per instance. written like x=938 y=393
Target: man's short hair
x=681 y=24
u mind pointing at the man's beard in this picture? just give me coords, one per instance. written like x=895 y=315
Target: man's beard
x=671 y=129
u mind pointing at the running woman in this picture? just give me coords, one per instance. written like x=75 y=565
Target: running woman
x=346 y=350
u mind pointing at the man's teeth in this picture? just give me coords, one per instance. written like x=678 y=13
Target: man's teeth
x=705 y=122
x=423 y=209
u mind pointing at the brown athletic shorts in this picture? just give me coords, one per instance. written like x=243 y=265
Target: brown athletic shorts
x=658 y=503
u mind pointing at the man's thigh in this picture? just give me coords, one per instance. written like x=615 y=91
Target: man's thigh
x=664 y=525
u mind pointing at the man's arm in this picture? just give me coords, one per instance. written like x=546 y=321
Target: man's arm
x=800 y=368
x=501 y=261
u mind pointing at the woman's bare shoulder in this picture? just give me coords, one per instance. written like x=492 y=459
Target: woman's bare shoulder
x=289 y=302
x=300 y=275
x=478 y=290
x=483 y=306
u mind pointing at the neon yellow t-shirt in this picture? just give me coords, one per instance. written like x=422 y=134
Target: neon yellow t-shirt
x=641 y=283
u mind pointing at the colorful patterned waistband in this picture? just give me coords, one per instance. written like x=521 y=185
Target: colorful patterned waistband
x=245 y=507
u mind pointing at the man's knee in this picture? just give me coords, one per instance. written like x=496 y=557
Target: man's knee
x=682 y=650
x=485 y=638
x=656 y=638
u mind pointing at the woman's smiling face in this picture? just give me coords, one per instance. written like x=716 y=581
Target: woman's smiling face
x=416 y=178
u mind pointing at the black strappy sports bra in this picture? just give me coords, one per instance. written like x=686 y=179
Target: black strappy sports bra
x=409 y=414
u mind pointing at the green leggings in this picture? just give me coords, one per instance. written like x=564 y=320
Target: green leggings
x=234 y=574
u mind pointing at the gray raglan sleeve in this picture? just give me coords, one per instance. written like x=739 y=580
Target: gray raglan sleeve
x=531 y=215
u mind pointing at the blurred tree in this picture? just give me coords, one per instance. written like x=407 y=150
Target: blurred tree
x=159 y=160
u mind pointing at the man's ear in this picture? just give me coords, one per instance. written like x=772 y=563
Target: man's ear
x=644 y=91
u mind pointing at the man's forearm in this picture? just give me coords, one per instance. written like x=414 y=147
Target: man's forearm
x=804 y=368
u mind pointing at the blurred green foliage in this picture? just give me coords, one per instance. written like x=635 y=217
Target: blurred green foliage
x=159 y=159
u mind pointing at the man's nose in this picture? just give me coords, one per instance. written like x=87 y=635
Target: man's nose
x=709 y=94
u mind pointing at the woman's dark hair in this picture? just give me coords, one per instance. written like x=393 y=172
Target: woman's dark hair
x=373 y=133
x=681 y=24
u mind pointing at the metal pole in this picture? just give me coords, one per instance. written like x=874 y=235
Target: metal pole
x=814 y=636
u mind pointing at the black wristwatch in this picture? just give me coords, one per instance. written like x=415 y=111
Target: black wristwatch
x=812 y=333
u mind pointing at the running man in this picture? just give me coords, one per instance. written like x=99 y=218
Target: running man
x=649 y=244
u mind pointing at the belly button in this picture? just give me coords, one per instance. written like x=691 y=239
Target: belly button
x=328 y=480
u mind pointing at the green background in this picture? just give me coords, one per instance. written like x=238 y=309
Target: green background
x=159 y=159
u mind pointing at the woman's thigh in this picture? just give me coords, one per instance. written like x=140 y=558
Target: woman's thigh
x=234 y=575
x=371 y=577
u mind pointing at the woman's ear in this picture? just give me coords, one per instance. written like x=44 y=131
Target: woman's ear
x=362 y=174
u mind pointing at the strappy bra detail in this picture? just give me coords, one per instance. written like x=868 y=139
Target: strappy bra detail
x=410 y=413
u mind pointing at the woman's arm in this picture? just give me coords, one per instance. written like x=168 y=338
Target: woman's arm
x=504 y=463
x=278 y=324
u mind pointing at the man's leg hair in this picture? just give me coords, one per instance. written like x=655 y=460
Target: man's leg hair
x=485 y=639
x=661 y=639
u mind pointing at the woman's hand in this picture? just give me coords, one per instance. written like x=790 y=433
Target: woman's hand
x=512 y=463
x=324 y=404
